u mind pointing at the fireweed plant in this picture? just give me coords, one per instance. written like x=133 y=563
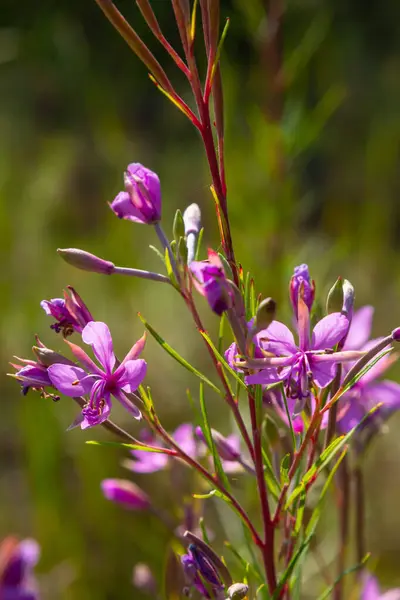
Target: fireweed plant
x=306 y=399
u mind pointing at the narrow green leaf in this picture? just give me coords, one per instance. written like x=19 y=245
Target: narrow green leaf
x=206 y=428
x=168 y=266
x=159 y=254
x=199 y=240
x=289 y=570
x=270 y=477
x=218 y=53
x=247 y=297
x=327 y=593
x=125 y=445
x=222 y=360
x=221 y=334
x=284 y=469
x=178 y=357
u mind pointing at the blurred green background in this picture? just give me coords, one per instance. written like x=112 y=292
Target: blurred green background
x=313 y=176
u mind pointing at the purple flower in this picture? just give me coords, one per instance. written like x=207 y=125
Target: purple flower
x=100 y=383
x=126 y=493
x=301 y=281
x=210 y=281
x=32 y=374
x=198 y=566
x=368 y=391
x=70 y=313
x=141 y=201
x=17 y=560
x=228 y=449
x=313 y=358
x=150 y=462
x=371 y=590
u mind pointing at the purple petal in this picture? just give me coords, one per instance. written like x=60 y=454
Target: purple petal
x=98 y=335
x=378 y=369
x=266 y=377
x=370 y=589
x=99 y=408
x=147 y=462
x=183 y=435
x=387 y=392
x=231 y=356
x=122 y=206
x=132 y=374
x=360 y=328
x=280 y=339
x=127 y=404
x=70 y=381
x=391 y=595
x=322 y=373
x=329 y=331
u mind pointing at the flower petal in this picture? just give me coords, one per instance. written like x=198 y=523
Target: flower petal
x=266 y=377
x=329 y=331
x=132 y=375
x=147 y=462
x=277 y=338
x=322 y=373
x=370 y=589
x=97 y=334
x=183 y=435
x=70 y=381
x=122 y=206
x=360 y=328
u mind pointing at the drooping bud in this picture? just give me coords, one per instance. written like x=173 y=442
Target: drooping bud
x=301 y=280
x=141 y=201
x=126 y=493
x=224 y=447
x=237 y=591
x=86 y=261
x=192 y=225
x=48 y=357
x=17 y=560
x=70 y=313
x=210 y=281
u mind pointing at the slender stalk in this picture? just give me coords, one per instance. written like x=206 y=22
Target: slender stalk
x=344 y=517
x=267 y=547
x=141 y=274
x=360 y=513
x=331 y=429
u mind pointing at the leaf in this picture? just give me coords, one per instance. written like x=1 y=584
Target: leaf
x=285 y=464
x=211 y=494
x=222 y=360
x=159 y=254
x=168 y=266
x=198 y=246
x=206 y=428
x=327 y=593
x=178 y=357
x=142 y=448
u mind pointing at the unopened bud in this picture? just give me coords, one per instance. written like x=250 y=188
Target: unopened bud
x=225 y=449
x=348 y=298
x=396 y=334
x=265 y=314
x=86 y=261
x=48 y=357
x=237 y=591
x=192 y=219
x=126 y=493
x=334 y=301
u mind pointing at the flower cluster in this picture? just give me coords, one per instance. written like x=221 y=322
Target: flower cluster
x=298 y=405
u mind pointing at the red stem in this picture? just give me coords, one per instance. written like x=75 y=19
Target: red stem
x=267 y=547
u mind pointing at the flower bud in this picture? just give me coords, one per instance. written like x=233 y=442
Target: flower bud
x=348 y=299
x=301 y=281
x=70 y=313
x=210 y=281
x=192 y=219
x=86 y=261
x=48 y=357
x=141 y=201
x=396 y=334
x=143 y=579
x=225 y=449
x=126 y=493
x=265 y=314
x=237 y=591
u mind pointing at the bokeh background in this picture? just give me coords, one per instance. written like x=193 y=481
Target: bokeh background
x=313 y=176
